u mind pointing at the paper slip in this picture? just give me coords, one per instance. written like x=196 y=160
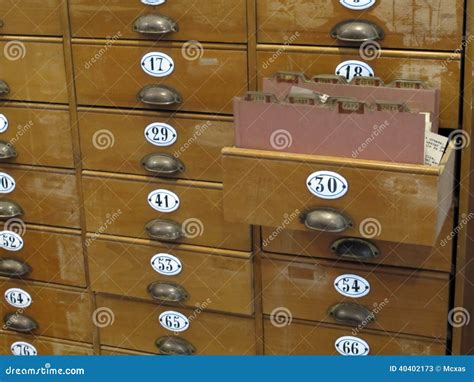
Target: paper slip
x=435 y=145
x=297 y=90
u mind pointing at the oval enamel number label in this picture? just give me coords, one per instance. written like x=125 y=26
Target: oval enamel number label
x=153 y=2
x=166 y=264
x=327 y=185
x=174 y=321
x=10 y=241
x=157 y=64
x=353 y=68
x=352 y=286
x=3 y=123
x=160 y=134
x=7 y=183
x=163 y=200
x=23 y=348
x=18 y=298
x=353 y=346
x=357 y=4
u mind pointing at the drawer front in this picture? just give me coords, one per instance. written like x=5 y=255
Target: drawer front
x=127 y=135
x=39 y=136
x=302 y=339
x=316 y=290
x=341 y=247
x=21 y=344
x=201 y=20
x=34 y=71
x=55 y=312
x=116 y=77
x=48 y=256
x=227 y=281
x=31 y=17
x=271 y=189
x=136 y=326
x=45 y=197
x=410 y=24
x=198 y=220
x=437 y=70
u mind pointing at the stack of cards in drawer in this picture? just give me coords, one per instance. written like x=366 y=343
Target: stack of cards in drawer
x=364 y=119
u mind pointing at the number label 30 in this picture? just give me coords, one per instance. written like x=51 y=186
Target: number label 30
x=327 y=185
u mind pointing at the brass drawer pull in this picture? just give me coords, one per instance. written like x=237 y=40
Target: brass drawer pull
x=162 y=164
x=159 y=95
x=352 y=248
x=357 y=31
x=4 y=88
x=351 y=314
x=10 y=267
x=174 y=346
x=7 y=151
x=161 y=229
x=326 y=220
x=155 y=24
x=167 y=291
x=9 y=209
x=20 y=322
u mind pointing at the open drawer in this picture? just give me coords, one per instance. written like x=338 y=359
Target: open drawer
x=359 y=198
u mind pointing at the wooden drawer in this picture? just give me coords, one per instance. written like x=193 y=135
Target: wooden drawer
x=31 y=17
x=23 y=344
x=136 y=326
x=40 y=136
x=341 y=247
x=438 y=70
x=314 y=290
x=201 y=20
x=305 y=339
x=46 y=197
x=34 y=70
x=197 y=146
x=123 y=267
x=124 y=201
x=58 y=312
x=116 y=78
x=266 y=187
x=408 y=24
x=51 y=255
